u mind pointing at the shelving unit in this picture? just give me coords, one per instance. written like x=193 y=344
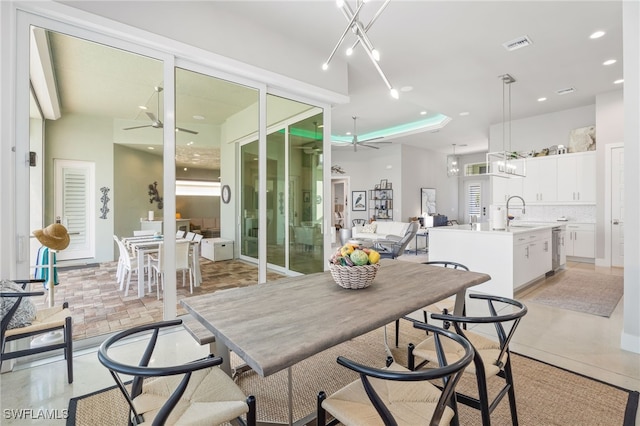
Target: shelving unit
x=381 y=204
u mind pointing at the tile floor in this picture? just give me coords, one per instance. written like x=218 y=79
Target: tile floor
x=579 y=342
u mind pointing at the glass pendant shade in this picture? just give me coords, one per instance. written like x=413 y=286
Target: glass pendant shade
x=453 y=166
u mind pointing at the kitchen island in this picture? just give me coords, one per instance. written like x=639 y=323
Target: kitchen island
x=514 y=257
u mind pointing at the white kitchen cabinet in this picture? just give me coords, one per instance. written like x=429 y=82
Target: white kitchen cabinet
x=580 y=240
x=503 y=188
x=531 y=256
x=540 y=185
x=576 y=181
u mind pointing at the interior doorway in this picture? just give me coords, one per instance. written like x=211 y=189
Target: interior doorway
x=617 y=207
x=339 y=206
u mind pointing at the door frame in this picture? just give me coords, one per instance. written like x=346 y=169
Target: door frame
x=608 y=155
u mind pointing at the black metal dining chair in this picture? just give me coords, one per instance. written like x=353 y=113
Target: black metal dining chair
x=196 y=392
x=397 y=396
x=491 y=357
x=58 y=318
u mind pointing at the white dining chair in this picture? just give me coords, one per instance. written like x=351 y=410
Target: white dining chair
x=180 y=234
x=182 y=264
x=129 y=266
x=190 y=236
x=143 y=232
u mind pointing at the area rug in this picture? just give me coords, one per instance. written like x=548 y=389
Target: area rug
x=588 y=292
x=546 y=395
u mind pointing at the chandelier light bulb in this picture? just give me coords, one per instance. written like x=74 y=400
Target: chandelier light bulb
x=376 y=54
x=339 y=3
x=349 y=51
x=394 y=94
x=325 y=66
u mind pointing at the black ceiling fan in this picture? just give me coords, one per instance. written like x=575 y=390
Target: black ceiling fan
x=155 y=122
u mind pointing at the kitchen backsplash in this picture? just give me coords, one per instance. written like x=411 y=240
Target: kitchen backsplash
x=537 y=213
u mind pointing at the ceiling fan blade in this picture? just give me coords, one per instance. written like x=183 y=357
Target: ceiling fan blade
x=137 y=127
x=152 y=116
x=369 y=146
x=180 y=129
x=372 y=139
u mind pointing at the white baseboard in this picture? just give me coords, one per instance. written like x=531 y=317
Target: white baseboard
x=630 y=342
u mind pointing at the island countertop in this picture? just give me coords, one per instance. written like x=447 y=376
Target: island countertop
x=514 y=228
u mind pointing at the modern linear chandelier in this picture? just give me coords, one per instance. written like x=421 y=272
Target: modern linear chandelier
x=362 y=38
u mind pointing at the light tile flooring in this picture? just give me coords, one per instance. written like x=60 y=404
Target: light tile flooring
x=583 y=343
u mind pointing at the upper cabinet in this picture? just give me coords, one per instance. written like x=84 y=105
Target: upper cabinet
x=503 y=188
x=577 y=178
x=540 y=185
x=556 y=179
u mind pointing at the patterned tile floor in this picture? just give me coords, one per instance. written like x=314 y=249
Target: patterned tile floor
x=99 y=307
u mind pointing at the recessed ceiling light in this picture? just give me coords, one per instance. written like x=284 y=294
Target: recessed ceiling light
x=198 y=117
x=320 y=126
x=406 y=88
x=542 y=99
x=196 y=155
x=597 y=34
x=142 y=107
x=620 y=81
x=609 y=62
x=348 y=133
x=185 y=169
x=190 y=143
x=464 y=114
x=150 y=148
x=423 y=112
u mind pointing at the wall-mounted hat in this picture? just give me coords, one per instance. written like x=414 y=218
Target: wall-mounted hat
x=54 y=236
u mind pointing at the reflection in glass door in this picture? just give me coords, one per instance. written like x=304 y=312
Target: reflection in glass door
x=294 y=202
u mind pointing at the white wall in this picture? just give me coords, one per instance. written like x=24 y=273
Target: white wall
x=609 y=129
x=87 y=138
x=630 y=339
x=542 y=131
x=427 y=169
x=366 y=168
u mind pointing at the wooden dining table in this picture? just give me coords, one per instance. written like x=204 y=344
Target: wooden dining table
x=275 y=325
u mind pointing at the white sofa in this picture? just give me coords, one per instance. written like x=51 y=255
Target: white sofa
x=382 y=230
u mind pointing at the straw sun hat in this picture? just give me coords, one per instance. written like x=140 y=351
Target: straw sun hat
x=54 y=236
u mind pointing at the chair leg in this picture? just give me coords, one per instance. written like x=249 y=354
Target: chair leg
x=411 y=359
x=321 y=418
x=68 y=350
x=512 y=393
x=397 y=331
x=126 y=291
x=251 y=415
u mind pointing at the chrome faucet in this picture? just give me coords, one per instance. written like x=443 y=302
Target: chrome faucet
x=509 y=199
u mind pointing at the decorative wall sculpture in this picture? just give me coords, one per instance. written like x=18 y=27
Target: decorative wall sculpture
x=105 y=199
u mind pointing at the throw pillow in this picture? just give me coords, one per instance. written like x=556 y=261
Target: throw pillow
x=26 y=312
x=369 y=228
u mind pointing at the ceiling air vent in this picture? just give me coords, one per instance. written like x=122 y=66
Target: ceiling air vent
x=565 y=91
x=517 y=43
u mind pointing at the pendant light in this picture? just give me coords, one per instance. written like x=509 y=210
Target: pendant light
x=453 y=166
x=506 y=163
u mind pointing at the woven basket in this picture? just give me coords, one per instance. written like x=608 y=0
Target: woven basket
x=353 y=277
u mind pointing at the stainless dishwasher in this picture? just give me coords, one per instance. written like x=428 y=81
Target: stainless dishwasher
x=558 y=254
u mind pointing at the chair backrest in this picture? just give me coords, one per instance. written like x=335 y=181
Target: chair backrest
x=124 y=254
x=447 y=374
x=515 y=311
x=140 y=370
x=198 y=238
x=182 y=256
x=180 y=234
x=446 y=264
x=401 y=245
x=143 y=232
x=190 y=236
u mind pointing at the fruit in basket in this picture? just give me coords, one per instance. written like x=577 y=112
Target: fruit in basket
x=353 y=255
x=359 y=257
